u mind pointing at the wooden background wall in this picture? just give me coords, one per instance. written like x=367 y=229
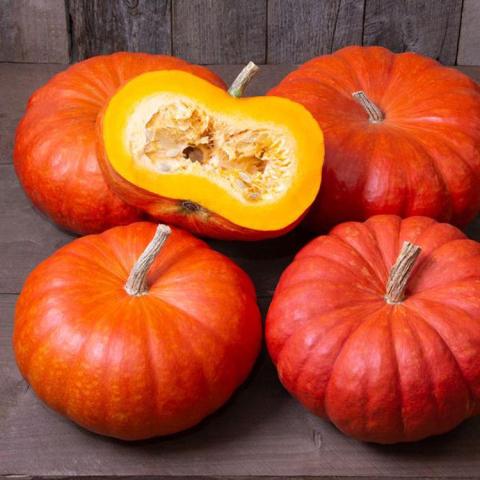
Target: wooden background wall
x=235 y=31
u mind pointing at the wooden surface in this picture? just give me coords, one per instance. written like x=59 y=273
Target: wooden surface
x=230 y=31
x=300 y=30
x=235 y=31
x=262 y=431
x=469 y=42
x=98 y=26
x=33 y=31
x=431 y=28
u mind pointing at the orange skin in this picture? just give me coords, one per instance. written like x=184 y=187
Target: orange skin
x=134 y=367
x=381 y=372
x=423 y=159
x=55 y=147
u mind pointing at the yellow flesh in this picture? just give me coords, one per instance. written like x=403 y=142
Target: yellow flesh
x=253 y=161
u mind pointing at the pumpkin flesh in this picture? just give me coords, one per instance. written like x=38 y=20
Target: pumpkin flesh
x=255 y=162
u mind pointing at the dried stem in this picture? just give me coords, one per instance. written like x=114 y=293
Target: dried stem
x=243 y=79
x=375 y=115
x=137 y=280
x=400 y=273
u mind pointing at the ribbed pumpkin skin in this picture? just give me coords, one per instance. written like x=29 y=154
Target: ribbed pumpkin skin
x=423 y=159
x=55 y=146
x=134 y=367
x=380 y=372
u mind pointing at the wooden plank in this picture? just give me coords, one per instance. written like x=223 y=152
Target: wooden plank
x=220 y=31
x=301 y=29
x=423 y=26
x=469 y=43
x=99 y=27
x=33 y=31
x=22 y=80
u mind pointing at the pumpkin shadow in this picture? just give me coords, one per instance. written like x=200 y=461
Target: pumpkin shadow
x=235 y=422
x=442 y=446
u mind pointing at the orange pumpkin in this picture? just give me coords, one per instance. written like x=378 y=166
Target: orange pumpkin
x=55 y=148
x=402 y=135
x=190 y=154
x=379 y=335
x=136 y=345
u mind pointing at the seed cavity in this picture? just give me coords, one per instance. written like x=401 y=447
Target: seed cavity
x=173 y=134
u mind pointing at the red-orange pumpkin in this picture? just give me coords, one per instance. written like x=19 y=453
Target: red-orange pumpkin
x=55 y=146
x=387 y=357
x=402 y=135
x=135 y=356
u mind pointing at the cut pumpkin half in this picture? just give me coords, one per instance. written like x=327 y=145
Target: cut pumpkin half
x=169 y=138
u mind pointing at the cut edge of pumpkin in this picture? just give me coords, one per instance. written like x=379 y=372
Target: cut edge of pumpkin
x=280 y=145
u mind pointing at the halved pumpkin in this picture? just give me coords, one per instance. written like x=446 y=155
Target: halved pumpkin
x=189 y=153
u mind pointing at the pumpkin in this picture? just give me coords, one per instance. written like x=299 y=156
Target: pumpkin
x=376 y=326
x=131 y=344
x=402 y=135
x=193 y=155
x=55 y=149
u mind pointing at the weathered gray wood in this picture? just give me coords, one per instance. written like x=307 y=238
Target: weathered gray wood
x=22 y=80
x=219 y=31
x=99 y=26
x=469 y=43
x=261 y=432
x=33 y=31
x=423 y=26
x=301 y=29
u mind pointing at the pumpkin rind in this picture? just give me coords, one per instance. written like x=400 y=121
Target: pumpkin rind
x=422 y=159
x=55 y=147
x=381 y=372
x=134 y=367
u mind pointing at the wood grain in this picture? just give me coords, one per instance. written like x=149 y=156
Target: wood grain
x=33 y=31
x=227 y=31
x=261 y=432
x=469 y=43
x=423 y=26
x=301 y=29
x=99 y=27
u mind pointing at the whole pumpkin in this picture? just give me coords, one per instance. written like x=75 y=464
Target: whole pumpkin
x=402 y=135
x=136 y=348
x=55 y=146
x=376 y=327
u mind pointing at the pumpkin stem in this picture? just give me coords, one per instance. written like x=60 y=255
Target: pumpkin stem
x=400 y=273
x=137 y=280
x=243 y=79
x=375 y=115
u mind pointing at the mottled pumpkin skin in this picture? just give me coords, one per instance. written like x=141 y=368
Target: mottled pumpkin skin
x=381 y=372
x=423 y=159
x=55 y=146
x=134 y=367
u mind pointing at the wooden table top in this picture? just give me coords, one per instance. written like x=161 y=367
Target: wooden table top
x=262 y=431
